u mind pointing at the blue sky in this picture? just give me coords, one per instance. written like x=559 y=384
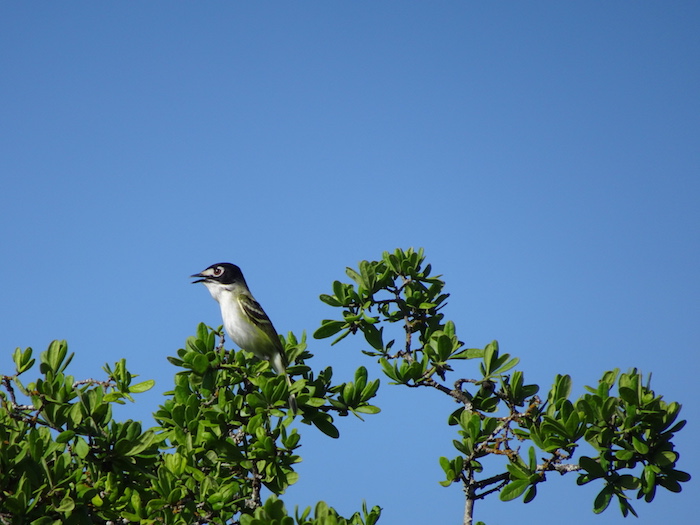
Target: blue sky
x=546 y=155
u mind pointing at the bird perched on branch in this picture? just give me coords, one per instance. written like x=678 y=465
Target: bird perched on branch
x=245 y=321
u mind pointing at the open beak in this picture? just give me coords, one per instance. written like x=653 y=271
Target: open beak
x=203 y=278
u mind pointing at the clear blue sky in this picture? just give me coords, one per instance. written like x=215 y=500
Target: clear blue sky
x=545 y=154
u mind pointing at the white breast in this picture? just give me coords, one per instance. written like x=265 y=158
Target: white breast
x=238 y=329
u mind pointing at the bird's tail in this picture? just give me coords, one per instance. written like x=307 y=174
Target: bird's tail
x=292 y=400
x=278 y=364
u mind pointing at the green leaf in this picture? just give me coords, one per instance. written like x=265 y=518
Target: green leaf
x=594 y=469
x=628 y=395
x=469 y=353
x=373 y=336
x=530 y=494
x=369 y=390
x=200 y=363
x=339 y=289
x=67 y=504
x=602 y=500
x=624 y=455
x=562 y=387
x=23 y=360
x=328 y=328
x=665 y=458
x=532 y=459
x=330 y=300
x=639 y=445
x=175 y=463
x=514 y=489
x=141 y=443
x=65 y=436
x=315 y=402
x=389 y=370
x=507 y=366
x=649 y=478
x=55 y=358
x=628 y=482
x=142 y=387
x=175 y=361
x=292 y=477
x=44 y=520
x=355 y=276
x=324 y=423
x=679 y=475
x=81 y=448
x=369 y=276
x=518 y=471
x=670 y=484
x=368 y=409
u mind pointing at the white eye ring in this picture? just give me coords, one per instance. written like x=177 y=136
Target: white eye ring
x=218 y=271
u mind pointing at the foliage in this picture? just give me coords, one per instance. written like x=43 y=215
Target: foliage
x=500 y=415
x=224 y=434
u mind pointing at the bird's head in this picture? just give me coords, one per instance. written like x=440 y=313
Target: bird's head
x=223 y=274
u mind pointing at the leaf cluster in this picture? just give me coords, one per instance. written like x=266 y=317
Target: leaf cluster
x=630 y=431
x=224 y=436
x=63 y=456
x=274 y=513
x=499 y=413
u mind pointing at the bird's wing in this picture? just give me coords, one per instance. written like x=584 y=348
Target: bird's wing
x=256 y=314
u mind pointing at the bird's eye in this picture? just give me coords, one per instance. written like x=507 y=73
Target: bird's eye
x=218 y=271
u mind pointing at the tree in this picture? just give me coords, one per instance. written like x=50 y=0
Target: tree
x=499 y=415
x=225 y=435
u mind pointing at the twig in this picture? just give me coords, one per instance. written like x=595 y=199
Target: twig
x=104 y=384
x=562 y=468
x=8 y=386
x=456 y=393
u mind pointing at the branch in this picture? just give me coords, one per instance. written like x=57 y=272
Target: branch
x=256 y=480
x=503 y=483
x=456 y=393
x=103 y=384
x=7 y=383
x=14 y=405
x=562 y=468
x=221 y=343
x=256 y=484
x=504 y=476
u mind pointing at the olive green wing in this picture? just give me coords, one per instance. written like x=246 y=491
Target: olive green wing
x=257 y=315
x=278 y=359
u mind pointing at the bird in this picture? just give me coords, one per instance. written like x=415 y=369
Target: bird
x=244 y=319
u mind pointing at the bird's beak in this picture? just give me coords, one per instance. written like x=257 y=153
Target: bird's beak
x=203 y=278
